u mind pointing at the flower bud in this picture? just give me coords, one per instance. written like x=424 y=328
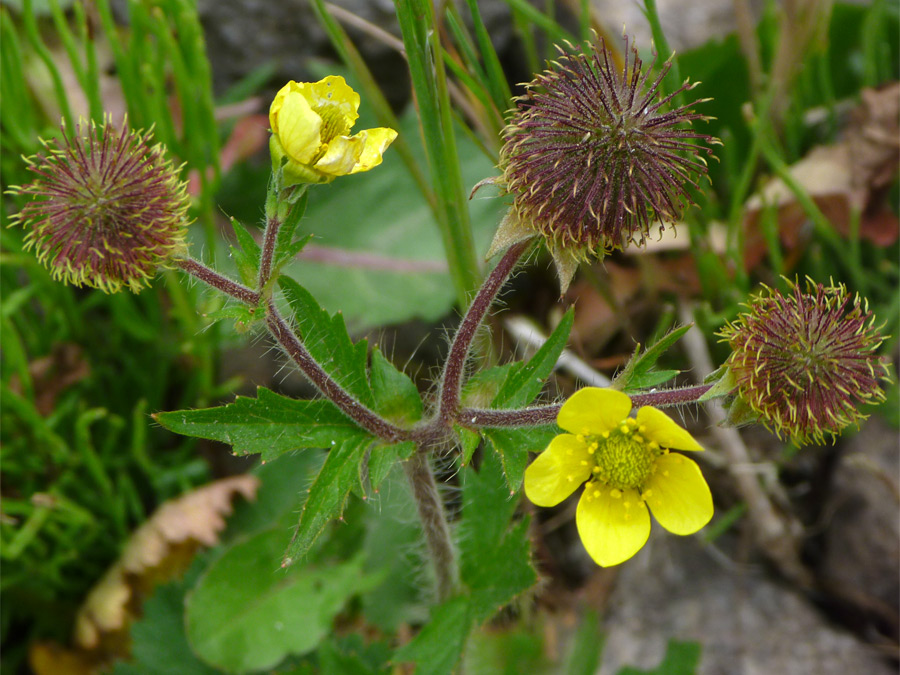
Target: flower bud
x=592 y=157
x=802 y=362
x=108 y=208
x=310 y=122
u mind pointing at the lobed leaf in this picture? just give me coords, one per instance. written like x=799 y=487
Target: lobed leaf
x=495 y=559
x=639 y=373
x=269 y=424
x=326 y=338
x=439 y=645
x=396 y=395
x=247 y=614
x=339 y=475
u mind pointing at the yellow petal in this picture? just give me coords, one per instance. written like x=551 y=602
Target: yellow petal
x=376 y=142
x=296 y=124
x=558 y=471
x=342 y=155
x=678 y=495
x=613 y=524
x=335 y=100
x=592 y=411
x=655 y=425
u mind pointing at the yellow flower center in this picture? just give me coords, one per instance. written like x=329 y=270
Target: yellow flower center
x=334 y=122
x=623 y=458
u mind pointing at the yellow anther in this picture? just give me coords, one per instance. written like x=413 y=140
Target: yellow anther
x=615 y=494
x=579 y=438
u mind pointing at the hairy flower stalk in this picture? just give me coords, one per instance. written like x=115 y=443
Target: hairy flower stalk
x=804 y=361
x=592 y=157
x=108 y=208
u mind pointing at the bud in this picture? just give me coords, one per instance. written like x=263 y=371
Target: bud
x=310 y=122
x=108 y=208
x=592 y=157
x=803 y=362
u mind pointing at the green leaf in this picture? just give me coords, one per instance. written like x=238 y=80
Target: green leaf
x=587 y=647
x=327 y=495
x=332 y=659
x=382 y=458
x=724 y=383
x=278 y=498
x=523 y=384
x=513 y=445
x=439 y=645
x=639 y=370
x=242 y=315
x=495 y=559
x=326 y=338
x=159 y=645
x=396 y=396
x=246 y=255
x=482 y=388
x=269 y=424
x=650 y=379
x=247 y=614
x=289 y=252
x=469 y=441
x=284 y=242
x=682 y=658
x=392 y=546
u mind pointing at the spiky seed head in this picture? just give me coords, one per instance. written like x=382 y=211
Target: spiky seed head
x=593 y=156
x=107 y=207
x=804 y=361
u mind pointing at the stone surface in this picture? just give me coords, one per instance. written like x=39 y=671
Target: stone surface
x=860 y=516
x=745 y=623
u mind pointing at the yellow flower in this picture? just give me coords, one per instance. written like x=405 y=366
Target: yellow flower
x=310 y=125
x=628 y=467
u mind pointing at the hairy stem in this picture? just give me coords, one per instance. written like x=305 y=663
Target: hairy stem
x=273 y=224
x=434 y=522
x=359 y=413
x=218 y=281
x=451 y=380
x=546 y=414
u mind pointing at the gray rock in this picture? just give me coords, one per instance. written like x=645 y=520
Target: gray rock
x=860 y=540
x=745 y=623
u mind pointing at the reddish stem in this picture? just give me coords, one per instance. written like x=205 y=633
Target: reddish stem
x=546 y=414
x=451 y=380
x=362 y=415
x=221 y=283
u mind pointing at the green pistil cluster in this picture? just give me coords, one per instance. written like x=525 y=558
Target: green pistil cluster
x=623 y=458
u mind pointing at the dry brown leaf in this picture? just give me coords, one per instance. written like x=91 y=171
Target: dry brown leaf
x=849 y=176
x=159 y=550
x=49 y=658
